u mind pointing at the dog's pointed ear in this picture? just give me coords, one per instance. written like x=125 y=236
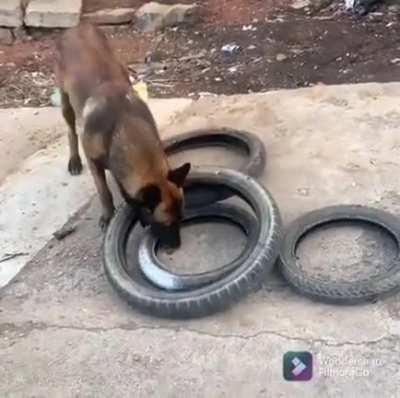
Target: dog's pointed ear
x=178 y=176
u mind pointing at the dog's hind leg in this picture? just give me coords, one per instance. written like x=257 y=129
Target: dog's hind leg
x=74 y=163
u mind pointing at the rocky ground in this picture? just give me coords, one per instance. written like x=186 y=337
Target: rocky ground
x=280 y=44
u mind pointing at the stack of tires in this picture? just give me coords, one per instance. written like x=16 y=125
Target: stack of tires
x=151 y=287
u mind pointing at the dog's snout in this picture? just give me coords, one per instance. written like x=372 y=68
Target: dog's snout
x=167 y=235
x=174 y=241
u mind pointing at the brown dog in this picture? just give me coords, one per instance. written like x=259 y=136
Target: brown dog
x=119 y=133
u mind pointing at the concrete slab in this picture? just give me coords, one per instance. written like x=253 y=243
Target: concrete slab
x=110 y=16
x=11 y=13
x=325 y=145
x=40 y=196
x=53 y=13
x=25 y=131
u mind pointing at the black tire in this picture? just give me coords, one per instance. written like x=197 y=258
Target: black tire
x=218 y=295
x=165 y=279
x=339 y=292
x=225 y=137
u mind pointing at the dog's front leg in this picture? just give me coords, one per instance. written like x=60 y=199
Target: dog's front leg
x=104 y=192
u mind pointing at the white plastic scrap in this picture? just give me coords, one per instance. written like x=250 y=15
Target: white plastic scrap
x=231 y=48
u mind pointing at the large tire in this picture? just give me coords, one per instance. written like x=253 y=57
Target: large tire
x=163 y=278
x=339 y=292
x=227 y=138
x=218 y=295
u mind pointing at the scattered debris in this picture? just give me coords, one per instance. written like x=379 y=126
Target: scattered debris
x=141 y=90
x=10 y=256
x=224 y=45
x=64 y=231
x=55 y=98
x=361 y=7
x=230 y=49
x=249 y=27
x=299 y=4
x=281 y=57
x=303 y=191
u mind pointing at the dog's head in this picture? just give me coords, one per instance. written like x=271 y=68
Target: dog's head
x=161 y=206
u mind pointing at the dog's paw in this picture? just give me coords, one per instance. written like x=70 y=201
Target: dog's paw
x=75 y=165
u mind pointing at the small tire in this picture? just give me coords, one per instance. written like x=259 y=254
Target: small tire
x=218 y=295
x=165 y=279
x=339 y=292
x=226 y=138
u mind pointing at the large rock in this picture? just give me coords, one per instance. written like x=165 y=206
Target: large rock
x=110 y=16
x=11 y=13
x=153 y=16
x=53 y=13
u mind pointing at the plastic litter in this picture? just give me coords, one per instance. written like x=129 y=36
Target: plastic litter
x=230 y=49
x=55 y=98
x=141 y=90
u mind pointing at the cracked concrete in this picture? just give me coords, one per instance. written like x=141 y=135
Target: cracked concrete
x=64 y=332
x=24 y=330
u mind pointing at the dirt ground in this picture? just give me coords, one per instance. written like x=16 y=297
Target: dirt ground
x=279 y=47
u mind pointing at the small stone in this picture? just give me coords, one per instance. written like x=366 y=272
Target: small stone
x=304 y=191
x=394 y=8
x=299 y=4
x=6 y=37
x=64 y=232
x=110 y=16
x=153 y=16
x=281 y=57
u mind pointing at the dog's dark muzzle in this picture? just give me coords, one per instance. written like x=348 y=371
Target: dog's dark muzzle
x=168 y=236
